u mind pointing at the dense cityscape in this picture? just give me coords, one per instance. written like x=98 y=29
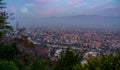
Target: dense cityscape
x=95 y=41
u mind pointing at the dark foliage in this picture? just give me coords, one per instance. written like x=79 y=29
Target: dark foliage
x=4 y=17
x=67 y=60
x=8 y=51
x=7 y=65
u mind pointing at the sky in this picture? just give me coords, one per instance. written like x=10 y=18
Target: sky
x=59 y=8
x=48 y=8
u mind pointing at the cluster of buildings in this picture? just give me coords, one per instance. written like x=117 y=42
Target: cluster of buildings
x=76 y=38
x=94 y=40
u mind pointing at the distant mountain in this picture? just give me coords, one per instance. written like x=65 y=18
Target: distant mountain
x=81 y=21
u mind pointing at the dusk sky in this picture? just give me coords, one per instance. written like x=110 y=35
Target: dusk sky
x=59 y=8
x=46 y=8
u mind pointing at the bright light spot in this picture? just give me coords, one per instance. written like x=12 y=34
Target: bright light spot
x=24 y=10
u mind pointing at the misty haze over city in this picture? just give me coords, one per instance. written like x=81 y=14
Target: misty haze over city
x=66 y=13
x=74 y=22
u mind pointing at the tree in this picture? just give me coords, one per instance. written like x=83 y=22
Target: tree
x=104 y=62
x=68 y=59
x=78 y=67
x=40 y=65
x=7 y=65
x=4 y=17
x=8 y=51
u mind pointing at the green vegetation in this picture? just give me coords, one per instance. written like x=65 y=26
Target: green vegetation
x=8 y=51
x=39 y=65
x=67 y=60
x=108 y=62
x=4 y=17
x=7 y=65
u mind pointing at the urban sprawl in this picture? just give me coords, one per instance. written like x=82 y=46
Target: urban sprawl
x=94 y=41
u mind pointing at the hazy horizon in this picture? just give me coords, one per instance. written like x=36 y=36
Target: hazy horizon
x=66 y=13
